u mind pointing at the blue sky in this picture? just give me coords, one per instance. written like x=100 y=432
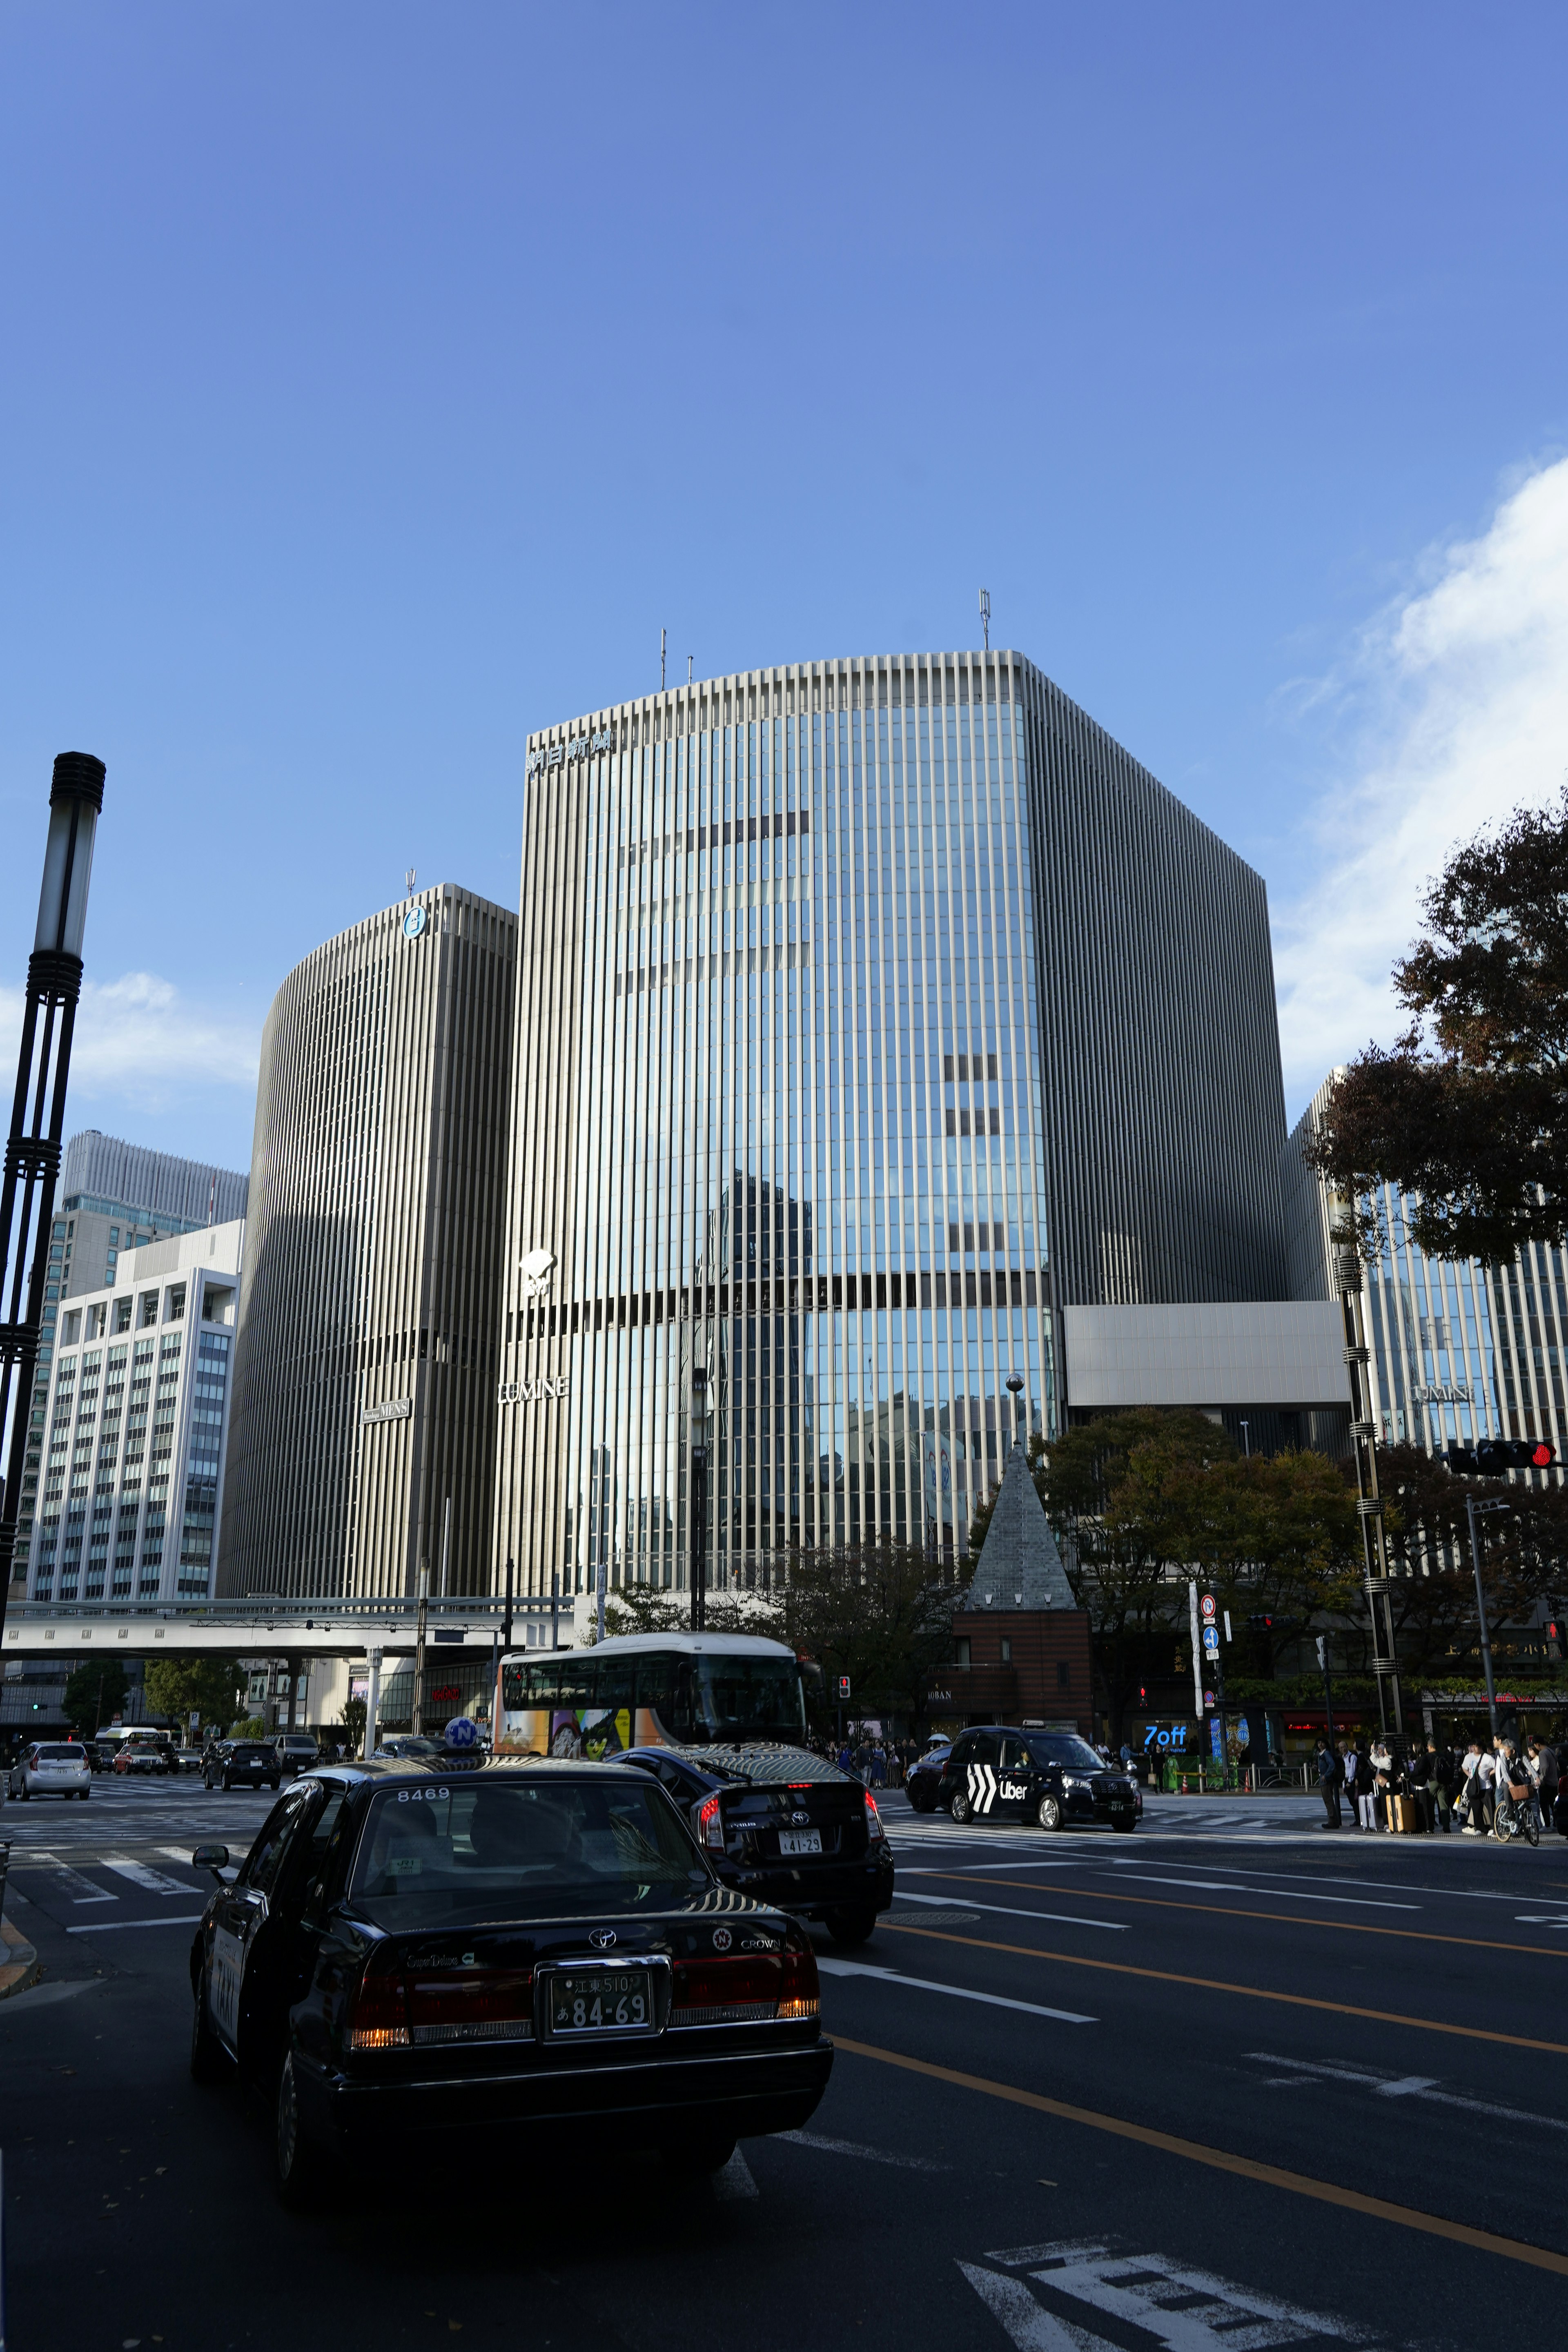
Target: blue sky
x=376 y=379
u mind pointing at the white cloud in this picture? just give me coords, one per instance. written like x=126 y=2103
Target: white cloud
x=1458 y=695
x=137 y=1038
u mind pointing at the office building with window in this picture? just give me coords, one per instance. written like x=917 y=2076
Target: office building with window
x=370 y=1313
x=126 y=1465
x=869 y=1012
x=1459 y=1351
x=115 y=1196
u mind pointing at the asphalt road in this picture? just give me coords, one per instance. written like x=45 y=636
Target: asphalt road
x=1230 y=2082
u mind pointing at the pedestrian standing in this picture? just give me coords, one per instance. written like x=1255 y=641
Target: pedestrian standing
x=1440 y=1762
x=1418 y=1779
x=1329 y=1771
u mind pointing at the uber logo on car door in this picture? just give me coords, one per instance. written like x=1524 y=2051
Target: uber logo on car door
x=981 y=1787
x=228 y=1970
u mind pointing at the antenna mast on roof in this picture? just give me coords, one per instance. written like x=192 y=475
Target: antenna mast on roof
x=689 y=661
x=985 y=615
x=661 y=661
x=408 y=883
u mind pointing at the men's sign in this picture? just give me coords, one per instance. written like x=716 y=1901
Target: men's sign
x=395 y=1408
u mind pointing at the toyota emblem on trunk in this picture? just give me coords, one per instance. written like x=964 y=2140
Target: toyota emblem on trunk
x=799 y=1817
x=602 y=1938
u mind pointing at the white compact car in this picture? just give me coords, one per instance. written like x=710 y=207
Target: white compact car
x=51 y=1769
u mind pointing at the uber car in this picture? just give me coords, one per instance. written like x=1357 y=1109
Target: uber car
x=784 y=1826
x=243 y=1764
x=1048 y=1779
x=503 y=1958
x=50 y=1768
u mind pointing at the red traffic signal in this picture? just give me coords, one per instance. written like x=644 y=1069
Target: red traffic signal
x=843 y=1687
x=1492 y=1455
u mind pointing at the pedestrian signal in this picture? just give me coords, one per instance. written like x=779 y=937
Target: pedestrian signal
x=843 y=1688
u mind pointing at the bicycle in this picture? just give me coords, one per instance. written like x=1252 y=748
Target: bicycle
x=1514 y=1818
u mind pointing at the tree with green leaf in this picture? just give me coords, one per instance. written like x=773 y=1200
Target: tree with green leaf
x=880 y=1612
x=1468 y=1114
x=202 y=1685
x=95 y=1694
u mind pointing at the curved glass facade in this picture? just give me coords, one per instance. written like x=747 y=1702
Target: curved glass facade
x=779 y=1115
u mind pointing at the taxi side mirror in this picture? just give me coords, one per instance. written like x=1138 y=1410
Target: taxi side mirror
x=211 y=1857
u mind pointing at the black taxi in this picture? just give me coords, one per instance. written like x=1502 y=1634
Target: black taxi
x=783 y=1826
x=529 y=1954
x=1045 y=1778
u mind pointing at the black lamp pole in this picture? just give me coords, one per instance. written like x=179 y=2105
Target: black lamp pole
x=699 y=1499
x=39 y=1109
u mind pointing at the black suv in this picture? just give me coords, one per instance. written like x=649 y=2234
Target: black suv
x=1045 y=1778
x=785 y=1827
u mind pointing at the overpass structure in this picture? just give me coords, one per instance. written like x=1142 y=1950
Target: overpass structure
x=259 y=1627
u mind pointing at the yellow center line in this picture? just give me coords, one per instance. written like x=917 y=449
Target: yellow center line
x=1273 y=2176
x=1248 y=1993
x=1280 y=1918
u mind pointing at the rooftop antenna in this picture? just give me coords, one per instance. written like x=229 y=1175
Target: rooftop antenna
x=408 y=883
x=689 y=659
x=661 y=661
x=985 y=615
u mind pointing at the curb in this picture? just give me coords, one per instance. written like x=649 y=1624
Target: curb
x=22 y=1965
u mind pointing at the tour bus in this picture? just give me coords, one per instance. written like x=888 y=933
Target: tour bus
x=648 y=1690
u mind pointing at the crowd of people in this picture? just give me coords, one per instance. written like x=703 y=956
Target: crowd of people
x=1444 y=1787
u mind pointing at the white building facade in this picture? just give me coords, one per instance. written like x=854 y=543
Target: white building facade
x=123 y=1478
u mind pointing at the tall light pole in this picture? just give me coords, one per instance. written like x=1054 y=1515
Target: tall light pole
x=38 y=1109
x=699 y=1455
x=1472 y=1512
x=1369 y=1502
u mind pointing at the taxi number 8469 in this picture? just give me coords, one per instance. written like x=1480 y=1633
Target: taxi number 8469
x=601 y=2003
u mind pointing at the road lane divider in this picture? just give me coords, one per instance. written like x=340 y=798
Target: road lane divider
x=112 y=1926
x=1247 y=1992
x=1219 y=2159
x=833 y=1968
x=1275 y=1918
x=1016 y=1911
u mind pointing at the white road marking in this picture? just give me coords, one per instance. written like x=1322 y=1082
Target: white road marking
x=1400 y=2086
x=141 y=1875
x=864 y=2155
x=1014 y=1911
x=79 y=1889
x=1185 y=2309
x=1540 y=1919
x=735 y=2180
x=955 y=1992
x=180 y=1852
x=1227 y=1886
x=104 y=1927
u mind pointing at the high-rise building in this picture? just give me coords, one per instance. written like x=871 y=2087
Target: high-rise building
x=116 y=1196
x=1459 y=1351
x=127 y=1467
x=370 y=1312
x=870 y=1011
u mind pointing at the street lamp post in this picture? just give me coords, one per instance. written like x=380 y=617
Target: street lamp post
x=39 y=1109
x=1472 y=1512
x=698 y=1448
x=1368 y=1501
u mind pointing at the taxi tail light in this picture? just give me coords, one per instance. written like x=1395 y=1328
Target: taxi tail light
x=379 y=2017
x=473 y=2005
x=711 y=1825
x=873 y=1818
x=801 y=1996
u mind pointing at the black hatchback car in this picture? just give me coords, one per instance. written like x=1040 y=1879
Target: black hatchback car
x=786 y=1827
x=241 y=1764
x=1046 y=1779
x=510 y=1958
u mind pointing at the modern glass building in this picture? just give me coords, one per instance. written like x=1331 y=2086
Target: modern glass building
x=868 y=1011
x=369 y=1331
x=1458 y=1350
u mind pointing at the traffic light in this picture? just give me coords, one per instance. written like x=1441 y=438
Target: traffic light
x=843 y=1688
x=1492 y=1455
x=1261 y=1623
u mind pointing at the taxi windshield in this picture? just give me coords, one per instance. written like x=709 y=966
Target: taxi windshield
x=471 y=1850
x=1065 y=1747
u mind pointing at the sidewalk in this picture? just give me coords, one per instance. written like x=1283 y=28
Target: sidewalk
x=19 y=1964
